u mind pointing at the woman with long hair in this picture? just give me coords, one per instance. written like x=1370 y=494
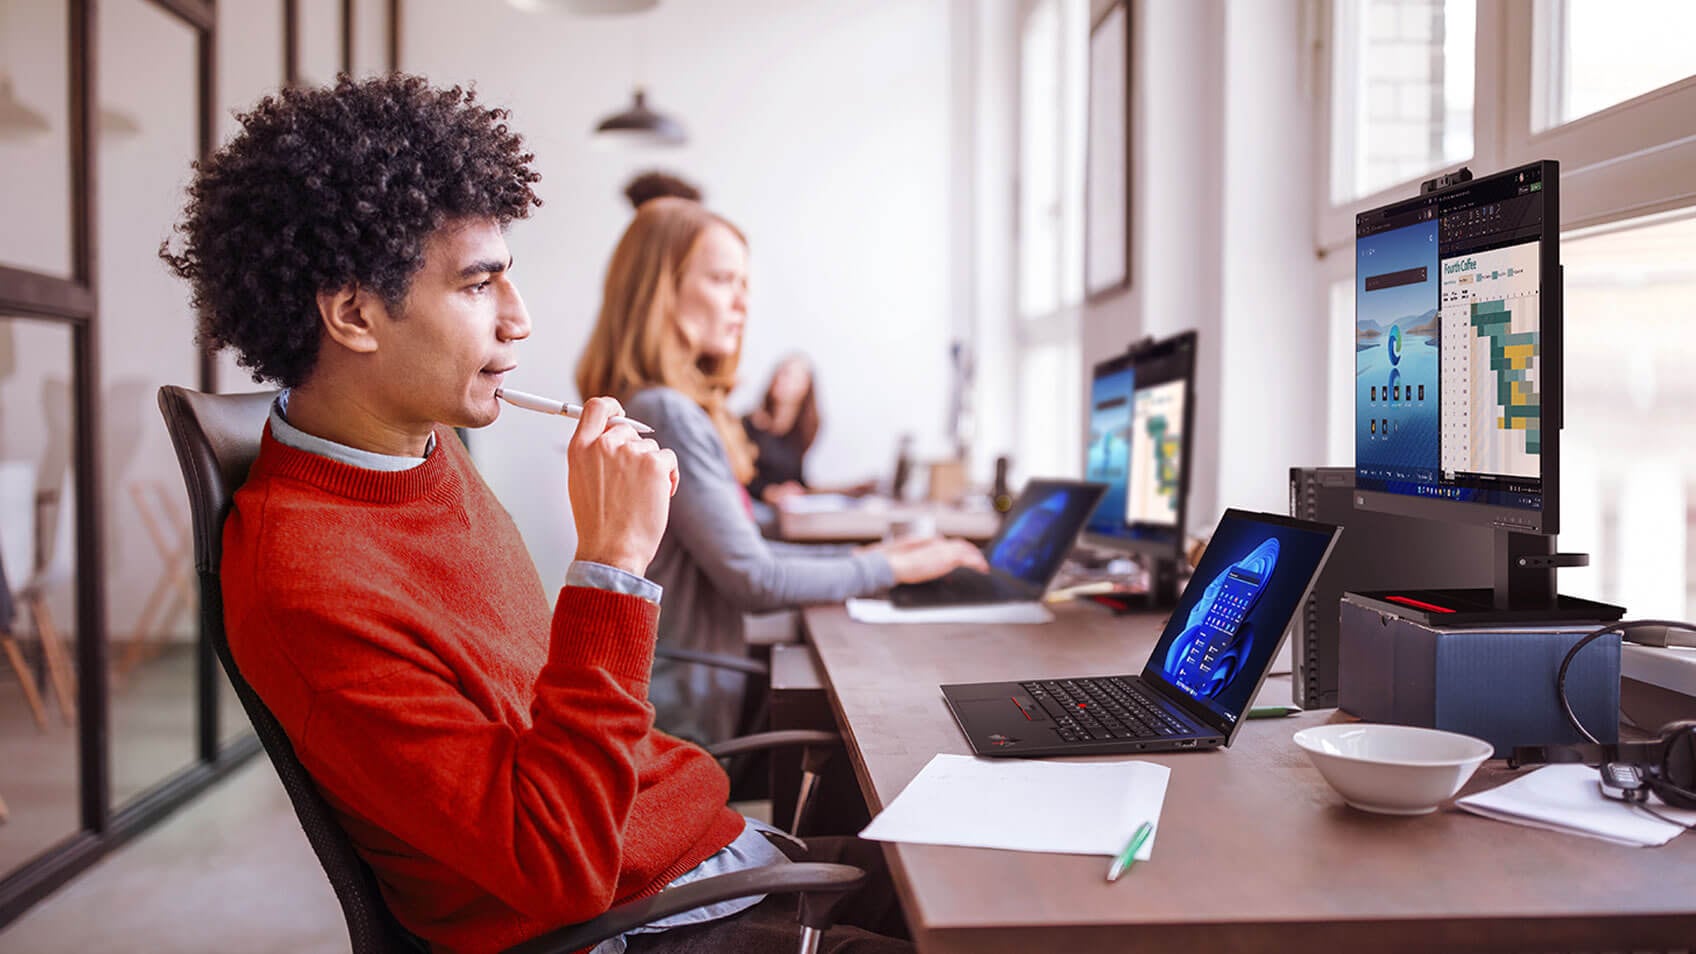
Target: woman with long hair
x=667 y=344
x=783 y=429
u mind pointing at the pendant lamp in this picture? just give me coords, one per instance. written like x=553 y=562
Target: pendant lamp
x=640 y=126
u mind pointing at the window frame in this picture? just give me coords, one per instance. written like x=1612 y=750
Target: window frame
x=1060 y=326
x=1630 y=161
x=1615 y=164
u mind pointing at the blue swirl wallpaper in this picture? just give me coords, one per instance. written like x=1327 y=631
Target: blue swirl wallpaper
x=1235 y=609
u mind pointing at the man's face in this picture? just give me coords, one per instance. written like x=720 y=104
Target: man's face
x=442 y=354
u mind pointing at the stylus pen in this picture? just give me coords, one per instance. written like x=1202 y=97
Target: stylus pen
x=531 y=402
x=1130 y=853
x=1273 y=712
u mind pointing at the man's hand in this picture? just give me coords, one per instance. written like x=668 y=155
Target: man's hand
x=915 y=561
x=620 y=485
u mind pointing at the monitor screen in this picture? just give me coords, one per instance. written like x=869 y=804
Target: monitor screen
x=1138 y=445
x=1219 y=641
x=1457 y=378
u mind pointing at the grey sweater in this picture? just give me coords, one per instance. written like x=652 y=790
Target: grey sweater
x=715 y=567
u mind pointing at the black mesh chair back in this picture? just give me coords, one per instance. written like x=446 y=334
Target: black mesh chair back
x=216 y=437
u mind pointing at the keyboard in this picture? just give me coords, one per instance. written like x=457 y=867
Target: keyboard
x=959 y=587
x=1108 y=707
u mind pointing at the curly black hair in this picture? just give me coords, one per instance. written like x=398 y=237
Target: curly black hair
x=330 y=187
x=655 y=184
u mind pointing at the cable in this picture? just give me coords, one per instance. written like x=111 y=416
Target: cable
x=1687 y=826
x=1622 y=628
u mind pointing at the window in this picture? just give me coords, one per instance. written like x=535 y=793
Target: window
x=1594 y=54
x=1402 y=91
x=1627 y=465
x=1053 y=90
x=1609 y=91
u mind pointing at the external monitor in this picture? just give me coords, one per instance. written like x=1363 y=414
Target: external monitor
x=1458 y=367
x=1138 y=444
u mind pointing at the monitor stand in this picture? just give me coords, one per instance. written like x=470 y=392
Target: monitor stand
x=1524 y=593
x=1162 y=582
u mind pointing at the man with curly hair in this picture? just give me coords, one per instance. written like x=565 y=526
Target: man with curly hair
x=493 y=758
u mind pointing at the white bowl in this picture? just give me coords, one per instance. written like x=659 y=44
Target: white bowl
x=1393 y=769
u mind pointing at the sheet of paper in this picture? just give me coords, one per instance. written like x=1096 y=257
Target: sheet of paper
x=1079 y=808
x=1567 y=798
x=819 y=503
x=882 y=611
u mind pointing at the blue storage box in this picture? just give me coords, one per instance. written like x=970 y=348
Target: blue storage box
x=1496 y=685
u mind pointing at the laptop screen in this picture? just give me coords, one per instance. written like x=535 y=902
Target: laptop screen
x=1231 y=617
x=1040 y=529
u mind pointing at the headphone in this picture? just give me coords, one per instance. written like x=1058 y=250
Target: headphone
x=1667 y=764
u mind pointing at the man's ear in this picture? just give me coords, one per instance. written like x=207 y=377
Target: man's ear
x=350 y=316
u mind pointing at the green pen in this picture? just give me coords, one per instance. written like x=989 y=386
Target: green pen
x=1130 y=853
x=1272 y=712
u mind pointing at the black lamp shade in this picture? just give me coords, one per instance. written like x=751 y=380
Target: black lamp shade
x=639 y=124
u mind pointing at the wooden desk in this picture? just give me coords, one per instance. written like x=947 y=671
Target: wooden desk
x=1256 y=853
x=869 y=521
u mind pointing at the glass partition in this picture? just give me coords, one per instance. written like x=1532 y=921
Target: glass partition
x=320 y=38
x=148 y=57
x=38 y=723
x=35 y=137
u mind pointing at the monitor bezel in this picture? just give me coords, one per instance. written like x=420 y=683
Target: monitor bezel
x=1545 y=519
x=1132 y=356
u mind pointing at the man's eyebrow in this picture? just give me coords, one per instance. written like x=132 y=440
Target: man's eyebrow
x=485 y=267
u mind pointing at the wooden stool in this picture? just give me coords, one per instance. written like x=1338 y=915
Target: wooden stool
x=26 y=679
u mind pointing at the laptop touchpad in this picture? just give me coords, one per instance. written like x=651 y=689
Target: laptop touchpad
x=1001 y=711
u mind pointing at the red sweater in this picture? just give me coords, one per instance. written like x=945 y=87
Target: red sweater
x=496 y=767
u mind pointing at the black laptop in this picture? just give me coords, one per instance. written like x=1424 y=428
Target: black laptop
x=1025 y=555
x=1192 y=692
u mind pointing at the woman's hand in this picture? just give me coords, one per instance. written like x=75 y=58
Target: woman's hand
x=620 y=485
x=776 y=494
x=915 y=561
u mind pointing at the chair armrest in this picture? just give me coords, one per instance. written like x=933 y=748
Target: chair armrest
x=716 y=660
x=803 y=877
x=772 y=740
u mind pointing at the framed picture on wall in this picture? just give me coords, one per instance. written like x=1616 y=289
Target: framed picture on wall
x=1107 y=174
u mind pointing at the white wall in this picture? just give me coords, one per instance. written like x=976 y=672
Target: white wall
x=823 y=130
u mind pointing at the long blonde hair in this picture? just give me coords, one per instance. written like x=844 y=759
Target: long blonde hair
x=637 y=342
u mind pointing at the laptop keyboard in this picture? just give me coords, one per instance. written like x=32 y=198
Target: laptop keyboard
x=957 y=587
x=1107 y=707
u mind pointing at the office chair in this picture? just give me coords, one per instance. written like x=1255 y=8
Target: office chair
x=216 y=438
